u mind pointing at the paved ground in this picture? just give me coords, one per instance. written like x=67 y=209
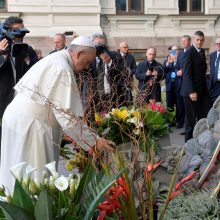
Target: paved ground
x=175 y=139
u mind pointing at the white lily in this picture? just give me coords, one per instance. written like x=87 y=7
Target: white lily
x=37 y=183
x=52 y=183
x=28 y=171
x=18 y=170
x=70 y=177
x=52 y=168
x=61 y=183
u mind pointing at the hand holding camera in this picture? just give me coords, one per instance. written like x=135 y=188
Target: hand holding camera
x=172 y=56
x=105 y=58
x=3 y=46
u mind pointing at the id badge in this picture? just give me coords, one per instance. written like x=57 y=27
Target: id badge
x=173 y=75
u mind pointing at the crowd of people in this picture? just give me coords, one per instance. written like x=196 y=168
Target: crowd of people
x=43 y=97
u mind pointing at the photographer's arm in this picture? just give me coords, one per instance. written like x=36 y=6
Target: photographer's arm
x=3 y=51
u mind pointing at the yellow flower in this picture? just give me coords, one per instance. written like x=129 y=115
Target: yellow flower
x=137 y=114
x=98 y=118
x=122 y=114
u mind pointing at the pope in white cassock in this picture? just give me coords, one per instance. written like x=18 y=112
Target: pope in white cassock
x=47 y=102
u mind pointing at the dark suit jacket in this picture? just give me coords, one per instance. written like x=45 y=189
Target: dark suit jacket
x=194 y=73
x=214 y=86
x=7 y=77
x=130 y=62
x=116 y=78
x=140 y=75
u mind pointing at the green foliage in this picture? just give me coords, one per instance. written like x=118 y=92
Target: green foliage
x=196 y=205
x=43 y=207
x=94 y=193
x=22 y=199
x=52 y=204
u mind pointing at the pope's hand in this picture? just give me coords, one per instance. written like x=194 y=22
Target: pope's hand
x=104 y=144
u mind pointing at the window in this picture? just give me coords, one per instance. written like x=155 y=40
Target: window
x=129 y=6
x=2 y=4
x=191 y=6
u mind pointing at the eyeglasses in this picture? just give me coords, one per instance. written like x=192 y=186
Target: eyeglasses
x=217 y=43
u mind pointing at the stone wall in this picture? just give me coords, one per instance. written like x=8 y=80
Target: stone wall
x=200 y=149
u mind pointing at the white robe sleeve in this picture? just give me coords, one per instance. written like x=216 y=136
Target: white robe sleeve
x=76 y=128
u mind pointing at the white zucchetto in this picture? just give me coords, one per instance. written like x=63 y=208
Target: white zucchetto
x=83 y=41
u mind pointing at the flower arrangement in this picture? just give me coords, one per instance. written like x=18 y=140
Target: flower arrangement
x=143 y=125
x=55 y=197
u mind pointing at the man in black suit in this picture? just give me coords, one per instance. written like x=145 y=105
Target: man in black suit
x=214 y=85
x=149 y=73
x=180 y=111
x=103 y=84
x=194 y=87
x=59 y=41
x=130 y=66
x=12 y=68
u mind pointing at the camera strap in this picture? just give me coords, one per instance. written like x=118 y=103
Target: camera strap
x=12 y=60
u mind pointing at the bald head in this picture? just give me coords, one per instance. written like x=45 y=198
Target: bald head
x=217 y=44
x=151 y=54
x=123 y=47
x=59 y=41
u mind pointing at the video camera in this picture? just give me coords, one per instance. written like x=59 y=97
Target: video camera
x=16 y=49
x=100 y=49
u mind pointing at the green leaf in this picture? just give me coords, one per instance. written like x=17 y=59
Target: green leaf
x=72 y=218
x=94 y=192
x=43 y=209
x=86 y=178
x=13 y=212
x=22 y=199
x=154 y=117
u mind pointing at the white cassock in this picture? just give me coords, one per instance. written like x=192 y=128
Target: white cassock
x=47 y=101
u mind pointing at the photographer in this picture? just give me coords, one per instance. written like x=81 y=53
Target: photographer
x=12 y=64
x=104 y=88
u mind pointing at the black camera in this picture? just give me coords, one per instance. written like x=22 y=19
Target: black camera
x=16 y=49
x=151 y=69
x=100 y=49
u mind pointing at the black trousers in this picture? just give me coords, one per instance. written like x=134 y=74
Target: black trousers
x=194 y=111
x=173 y=98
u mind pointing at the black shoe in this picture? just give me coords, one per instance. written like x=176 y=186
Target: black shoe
x=183 y=133
x=173 y=124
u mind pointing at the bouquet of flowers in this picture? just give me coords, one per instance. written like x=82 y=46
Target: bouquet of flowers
x=143 y=125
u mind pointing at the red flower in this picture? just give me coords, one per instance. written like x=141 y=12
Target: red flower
x=178 y=186
x=157 y=107
x=186 y=179
x=175 y=194
x=112 y=202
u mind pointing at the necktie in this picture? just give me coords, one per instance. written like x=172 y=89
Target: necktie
x=217 y=67
x=101 y=73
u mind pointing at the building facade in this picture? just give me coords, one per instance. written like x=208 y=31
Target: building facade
x=142 y=23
